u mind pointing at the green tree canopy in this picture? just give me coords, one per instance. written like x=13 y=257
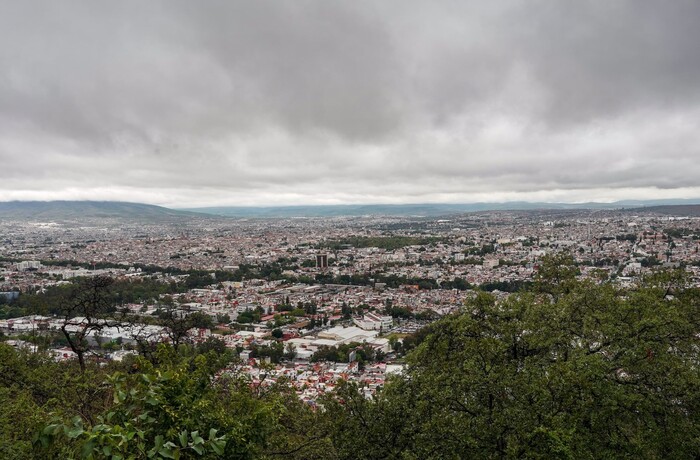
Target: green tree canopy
x=594 y=372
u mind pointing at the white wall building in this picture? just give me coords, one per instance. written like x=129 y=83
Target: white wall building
x=374 y=322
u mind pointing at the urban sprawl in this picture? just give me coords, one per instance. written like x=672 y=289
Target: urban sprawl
x=311 y=301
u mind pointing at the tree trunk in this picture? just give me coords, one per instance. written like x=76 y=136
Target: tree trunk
x=76 y=348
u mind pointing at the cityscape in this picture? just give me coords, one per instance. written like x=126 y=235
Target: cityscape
x=296 y=288
x=349 y=230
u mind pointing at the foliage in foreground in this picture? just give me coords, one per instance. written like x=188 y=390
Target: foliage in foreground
x=180 y=406
x=575 y=370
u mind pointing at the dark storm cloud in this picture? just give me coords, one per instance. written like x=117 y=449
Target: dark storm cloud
x=220 y=102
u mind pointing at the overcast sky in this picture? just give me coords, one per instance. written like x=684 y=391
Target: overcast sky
x=198 y=103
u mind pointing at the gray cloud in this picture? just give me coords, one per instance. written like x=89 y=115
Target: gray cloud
x=223 y=102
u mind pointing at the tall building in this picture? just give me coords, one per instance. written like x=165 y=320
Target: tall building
x=321 y=260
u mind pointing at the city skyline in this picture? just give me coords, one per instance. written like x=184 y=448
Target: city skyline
x=311 y=103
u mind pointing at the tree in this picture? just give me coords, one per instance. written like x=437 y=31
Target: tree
x=595 y=373
x=179 y=323
x=277 y=333
x=556 y=273
x=183 y=404
x=290 y=351
x=86 y=310
x=370 y=429
x=213 y=344
x=223 y=318
x=172 y=412
x=33 y=389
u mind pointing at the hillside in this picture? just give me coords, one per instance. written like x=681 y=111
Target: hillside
x=78 y=210
x=399 y=210
x=425 y=209
x=682 y=210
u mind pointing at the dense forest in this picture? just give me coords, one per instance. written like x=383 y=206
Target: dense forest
x=563 y=369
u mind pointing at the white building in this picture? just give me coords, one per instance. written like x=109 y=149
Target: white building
x=342 y=335
x=374 y=322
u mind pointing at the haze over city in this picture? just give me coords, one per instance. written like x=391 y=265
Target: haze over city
x=188 y=104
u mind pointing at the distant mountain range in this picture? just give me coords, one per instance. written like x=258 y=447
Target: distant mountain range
x=42 y=211
x=687 y=210
x=427 y=210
